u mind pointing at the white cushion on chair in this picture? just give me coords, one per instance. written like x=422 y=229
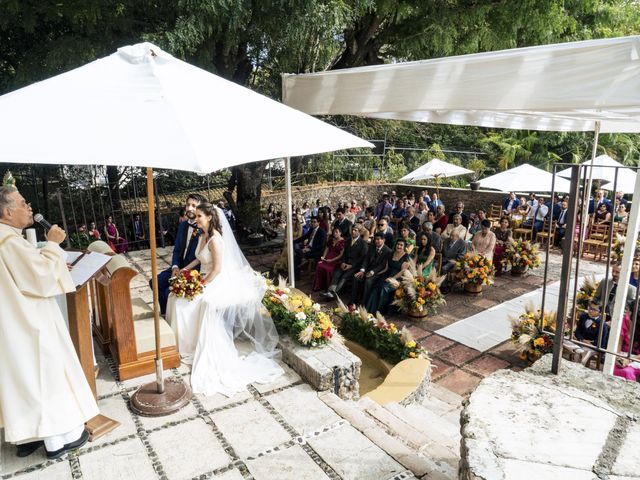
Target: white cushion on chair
x=144 y=328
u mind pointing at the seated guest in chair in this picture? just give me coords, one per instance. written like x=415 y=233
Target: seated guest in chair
x=380 y=294
x=588 y=328
x=355 y=253
x=309 y=246
x=184 y=251
x=454 y=249
x=374 y=266
x=342 y=223
x=510 y=204
x=329 y=260
x=137 y=227
x=484 y=242
x=563 y=217
x=612 y=287
x=424 y=254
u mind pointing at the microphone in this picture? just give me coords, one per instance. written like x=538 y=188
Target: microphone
x=40 y=219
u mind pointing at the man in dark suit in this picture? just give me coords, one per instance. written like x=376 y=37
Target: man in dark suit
x=386 y=231
x=510 y=204
x=309 y=246
x=184 y=251
x=463 y=216
x=563 y=217
x=374 y=266
x=454 y=249
x=138 y=231
x=342 y=223
x=355 y=253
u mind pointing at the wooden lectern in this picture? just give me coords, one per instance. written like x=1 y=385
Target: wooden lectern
x=78 y=311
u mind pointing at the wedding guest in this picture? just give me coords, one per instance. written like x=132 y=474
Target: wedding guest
x=412 y=220
x=621 y=200
x=385 y=230
x=503 y=239
x=424 y=254
x=342 y=223
x=410 y=201
x=137 y=228
x=45 y=399
x=309 y=246
x=602 y=216
x=94 y=233
x=384 y=207
x=476 y=220
x=117 y=243
x=354 y=208
x=364 y=206
x=182 y=216
x=329 y=260
x=441 y=220
x=457 y=226
x=354 y=255
x=454 y=249
x=184 y=250
x=422 y=212
x=635 y=273
x=374 y=266
x=369 y=221
x=510 y=204
x=405 y=234
x=324 y=219
x=464 y=218
x=589 y=324
x=621 y=216
x=561 y=224
x=610 y=293
x=484 y=241
x=436 y=239
x=379 y=295
x=435 y=203
x=601 y=199
x=398 y=214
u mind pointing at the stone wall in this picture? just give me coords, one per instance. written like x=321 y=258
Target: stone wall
x=330 y=194
x=534 y=424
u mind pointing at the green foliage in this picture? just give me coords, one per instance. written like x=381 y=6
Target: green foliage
x=395 y=167
x=478 y=166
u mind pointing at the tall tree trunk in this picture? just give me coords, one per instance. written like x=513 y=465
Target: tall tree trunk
x=249 y=188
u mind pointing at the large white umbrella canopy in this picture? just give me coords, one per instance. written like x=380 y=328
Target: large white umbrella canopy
x=433 y=169
x=604 y=170
x=142 y=107
x=525 y=178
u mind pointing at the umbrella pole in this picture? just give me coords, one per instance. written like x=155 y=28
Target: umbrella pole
x=158 y=398
x=584 y=216
x=288 y=241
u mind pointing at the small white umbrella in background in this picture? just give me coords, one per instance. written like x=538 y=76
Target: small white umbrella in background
x=525 y=178
x=626 y=183
x=435 y=169
x=142 y=107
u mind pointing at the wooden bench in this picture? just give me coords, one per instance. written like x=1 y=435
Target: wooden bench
x=124 y=326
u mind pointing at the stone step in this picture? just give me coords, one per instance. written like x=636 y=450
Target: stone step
x=436 y=428
x=440 y=407
x=445 y=458
x=447 y=396
x=421 y=465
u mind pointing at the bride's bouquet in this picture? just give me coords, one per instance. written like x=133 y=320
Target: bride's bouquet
x=187 y=284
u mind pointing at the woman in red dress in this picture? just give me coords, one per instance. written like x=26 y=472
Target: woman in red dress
x=503 y=238
x=329 y=261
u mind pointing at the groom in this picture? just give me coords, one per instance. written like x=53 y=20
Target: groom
x=184 y=251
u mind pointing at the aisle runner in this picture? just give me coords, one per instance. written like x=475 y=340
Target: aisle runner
x=487 y=329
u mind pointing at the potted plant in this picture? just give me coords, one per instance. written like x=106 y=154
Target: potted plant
x=521 y=255
x=418 y=296
x=478 y=166
x=473 y=271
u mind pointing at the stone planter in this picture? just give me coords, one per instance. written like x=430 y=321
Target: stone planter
x=474 y=186
x=473 y=288
x=255 y=239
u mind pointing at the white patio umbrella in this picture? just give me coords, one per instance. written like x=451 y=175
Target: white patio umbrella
x=603 y=170
x=626 y=183
x=525 y=178
x=435 y=169
x=142 y=107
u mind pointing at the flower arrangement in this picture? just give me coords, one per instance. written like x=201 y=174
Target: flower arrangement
x=587 y=292
x=617 y=248
x=187 y=284
x=297 y=316
x=417 y=293
x=533 y=333
x=375 y=333
x=521 y=254
x=475 y=269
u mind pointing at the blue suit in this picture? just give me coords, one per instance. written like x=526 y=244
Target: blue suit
x=505 y=203
x=184 y=247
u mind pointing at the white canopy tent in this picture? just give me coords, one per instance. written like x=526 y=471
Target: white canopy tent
x=578 y=86
x=142 y=107
x=603 y=169
x=525 y=178
x=435 y=169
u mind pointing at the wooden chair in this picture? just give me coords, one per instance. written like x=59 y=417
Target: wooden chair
x=596 y=242
x=543 y=235
x=495 y=212
x=524 y=232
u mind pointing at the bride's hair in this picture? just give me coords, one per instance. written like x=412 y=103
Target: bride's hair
x=210 y=210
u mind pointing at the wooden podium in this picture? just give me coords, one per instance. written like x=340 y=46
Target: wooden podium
x=78 y=311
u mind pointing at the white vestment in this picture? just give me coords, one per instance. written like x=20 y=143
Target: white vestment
x=43 y=390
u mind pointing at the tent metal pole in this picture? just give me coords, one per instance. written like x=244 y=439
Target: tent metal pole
x=625 y=271
x=289 y=229
x=584 y=216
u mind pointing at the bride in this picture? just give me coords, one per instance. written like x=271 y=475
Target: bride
x=230 y=308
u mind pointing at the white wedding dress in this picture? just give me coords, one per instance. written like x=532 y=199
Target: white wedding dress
x=228 y=311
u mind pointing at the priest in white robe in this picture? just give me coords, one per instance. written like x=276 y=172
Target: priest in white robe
x=44 y=395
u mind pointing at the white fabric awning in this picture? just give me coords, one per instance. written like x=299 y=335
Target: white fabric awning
x=142 y=107
x=525 y=178
x=562 y=87
x=605 y=171
x=435 y=168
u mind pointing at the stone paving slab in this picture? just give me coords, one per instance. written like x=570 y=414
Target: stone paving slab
x=291 y=462
x=125 y=460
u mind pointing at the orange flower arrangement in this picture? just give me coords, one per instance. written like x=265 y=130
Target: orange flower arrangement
x=475 y=268
x=187 y=284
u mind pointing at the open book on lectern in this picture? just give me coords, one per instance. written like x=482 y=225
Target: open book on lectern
x=84 y=265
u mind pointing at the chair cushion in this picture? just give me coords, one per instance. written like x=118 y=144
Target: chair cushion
x=145 y=335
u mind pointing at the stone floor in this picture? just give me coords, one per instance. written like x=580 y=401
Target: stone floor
x=283 y=430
